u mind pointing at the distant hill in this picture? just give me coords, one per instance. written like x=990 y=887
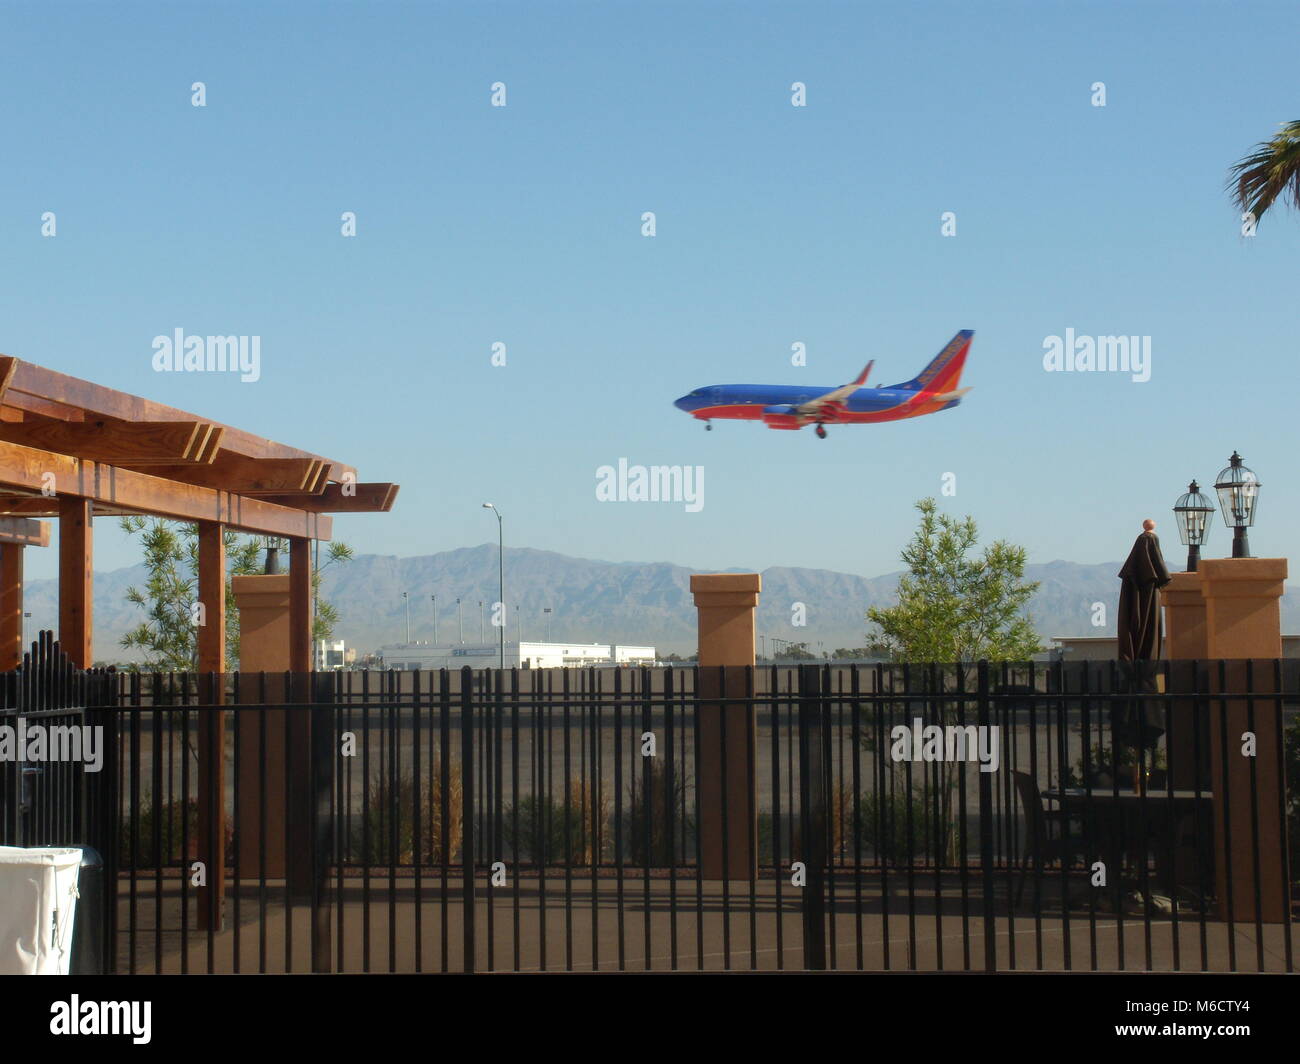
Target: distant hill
x=604 y=602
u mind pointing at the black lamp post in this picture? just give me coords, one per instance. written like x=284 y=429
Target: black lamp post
x=1238 y=490
x=1193 y=512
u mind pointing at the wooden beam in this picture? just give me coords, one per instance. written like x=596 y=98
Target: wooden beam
x=8 y=367
x=79 y=398
x=369 y=498
x=242 y=475
x=112 y=487
x=11 y=606
x=76 y=581
x=35 y=404
x=24 y=532
x=127 y=443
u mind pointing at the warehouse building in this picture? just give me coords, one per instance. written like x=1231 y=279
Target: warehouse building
x=523 y=655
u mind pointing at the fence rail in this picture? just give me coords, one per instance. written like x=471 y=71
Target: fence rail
x=1069 y=816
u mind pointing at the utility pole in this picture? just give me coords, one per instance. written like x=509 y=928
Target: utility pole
x=407 y=598
x=434 y=600
x=501 y=577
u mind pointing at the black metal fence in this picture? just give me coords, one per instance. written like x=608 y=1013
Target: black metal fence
x=49 y=753
x=977 y=817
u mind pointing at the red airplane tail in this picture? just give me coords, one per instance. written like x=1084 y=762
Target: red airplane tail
x=943 y=373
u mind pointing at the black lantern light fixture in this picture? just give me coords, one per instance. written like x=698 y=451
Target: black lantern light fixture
x=1238 y=490
x=1193 y=512
x=272 y=545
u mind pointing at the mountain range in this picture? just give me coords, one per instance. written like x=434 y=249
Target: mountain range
x=642 y=603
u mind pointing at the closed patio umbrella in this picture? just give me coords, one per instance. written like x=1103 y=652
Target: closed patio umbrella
x=1141 y=578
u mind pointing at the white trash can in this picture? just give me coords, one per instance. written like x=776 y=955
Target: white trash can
x=38 y=901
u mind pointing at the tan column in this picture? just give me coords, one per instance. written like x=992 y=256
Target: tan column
x=212 y=727
x=11 y=606
x=263 y=603
x=726 y=604
x=1185 y=644
x=1243 y=623
x=76 y=581
x=1184 y=618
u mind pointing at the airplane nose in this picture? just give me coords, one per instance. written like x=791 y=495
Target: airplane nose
x=684 y=403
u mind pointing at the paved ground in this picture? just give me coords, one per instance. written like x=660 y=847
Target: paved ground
x=711 y=934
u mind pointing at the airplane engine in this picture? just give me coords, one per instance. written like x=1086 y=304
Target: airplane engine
x=781 y=417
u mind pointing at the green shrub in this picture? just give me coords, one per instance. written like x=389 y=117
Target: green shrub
x=543 y=829
x=883 y=825
x=178 y=823
x=651 y=791
x=388 y=811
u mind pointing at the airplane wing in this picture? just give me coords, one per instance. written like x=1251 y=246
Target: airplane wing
x=813 y=406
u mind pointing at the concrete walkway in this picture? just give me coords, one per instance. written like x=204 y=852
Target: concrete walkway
x=515 y=931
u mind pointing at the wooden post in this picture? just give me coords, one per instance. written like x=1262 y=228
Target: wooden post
x=212 y=731
x=1243 y=625
x=76 y=580
x=300 y=664
x=11 y=606
x=300 y=605
x=726 y=604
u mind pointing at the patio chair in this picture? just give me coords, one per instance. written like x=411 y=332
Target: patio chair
x=1048 y=835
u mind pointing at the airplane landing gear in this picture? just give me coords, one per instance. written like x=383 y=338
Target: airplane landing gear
x=821 y=432
x=708 y=426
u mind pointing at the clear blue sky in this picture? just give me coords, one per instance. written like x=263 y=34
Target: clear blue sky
x=775 y=225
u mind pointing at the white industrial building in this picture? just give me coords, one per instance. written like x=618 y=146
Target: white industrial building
x=525 y=655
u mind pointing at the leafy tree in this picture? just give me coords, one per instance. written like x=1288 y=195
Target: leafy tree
x=954 y=606
x=168 y=637
x=1270 y=171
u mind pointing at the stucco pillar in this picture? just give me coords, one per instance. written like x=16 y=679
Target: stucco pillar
x=1184 y=645
x=264 y=659
x=725 y=759
x=1243 y=626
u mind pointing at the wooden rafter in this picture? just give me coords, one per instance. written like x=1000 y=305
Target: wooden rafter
x=128 y=443
x=248 y=476
x=126 y=490
x=24 y=532
x=43 y=391
x=368 y=498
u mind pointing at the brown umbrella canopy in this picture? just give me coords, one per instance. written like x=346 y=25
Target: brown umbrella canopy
x=1142 y=577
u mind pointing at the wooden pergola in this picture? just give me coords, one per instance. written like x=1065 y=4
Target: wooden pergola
x=73 y=450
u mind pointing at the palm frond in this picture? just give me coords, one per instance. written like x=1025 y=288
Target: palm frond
x=1270 y=172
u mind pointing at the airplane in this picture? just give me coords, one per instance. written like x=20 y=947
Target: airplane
x=792 y=406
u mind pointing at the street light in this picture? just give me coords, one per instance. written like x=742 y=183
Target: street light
x=547 y=610
x=1193 y=512
x=501 y=575
x=407 y=599
x=460 y=628
x=1238 y=490
x=434 y=599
